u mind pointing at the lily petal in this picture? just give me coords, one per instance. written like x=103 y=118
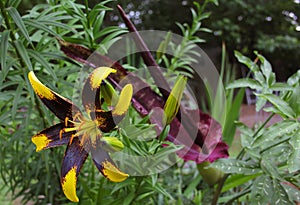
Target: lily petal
x=108 y=120
x=106 y=166
x=51 y=137
x=59 y=105
x=90 y=92
x=124 y=101
x=105 y=119
x=73 y=160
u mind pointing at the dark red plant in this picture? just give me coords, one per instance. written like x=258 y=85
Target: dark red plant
x=202 y=138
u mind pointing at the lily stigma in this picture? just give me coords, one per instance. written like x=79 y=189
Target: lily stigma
x=82 y=132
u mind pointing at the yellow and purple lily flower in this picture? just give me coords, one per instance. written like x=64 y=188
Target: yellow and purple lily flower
x=82 y=132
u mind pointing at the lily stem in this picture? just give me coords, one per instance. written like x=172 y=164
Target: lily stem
x=219 y=189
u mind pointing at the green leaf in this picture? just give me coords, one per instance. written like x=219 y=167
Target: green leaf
x=237 y=180
x=39 y=58
x=4 y=46
x=236 y=166
x=192 y=186
x=214 y=1
x=269 y=167
x=244 y=128
x=128 y=199
x=158 y=188
x=294 y=158
x=18 y=21
x=280 y=104
x=280 y=196
x=243 y=83
x=260 y=103
x=266 y=68
x=266 y=190
x=231 y=116
x=162 y=49
x=24 y=55
x=277 y=130
x=292 y=190
x=40 y=26
x=258 y=76
x=247 y=61
x=272 y=110
x=218 y=111
x=294 y=79
x=294 y=100
x=281 y=87
x=127 y=183
x=16 y=100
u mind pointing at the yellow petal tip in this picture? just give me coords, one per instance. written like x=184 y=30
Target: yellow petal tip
x=69 y=185
x=100 y=74
x=124 y=100
x=41 y=90
x=41 y=141
x=111 y=172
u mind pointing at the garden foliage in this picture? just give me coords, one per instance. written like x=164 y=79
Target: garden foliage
x=265 y=171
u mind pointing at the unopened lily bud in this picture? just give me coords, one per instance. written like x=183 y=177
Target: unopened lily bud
x=173 y=102
x=210 y=175
x=112 y=144
x=108 y=93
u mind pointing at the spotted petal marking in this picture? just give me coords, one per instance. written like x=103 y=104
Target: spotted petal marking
x=51 y=137
x=59 y=105
x=73 y=160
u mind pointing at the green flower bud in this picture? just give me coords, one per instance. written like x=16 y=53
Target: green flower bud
x=108 y=93
x=173 y=102
x=112 y=144
x=209 y=174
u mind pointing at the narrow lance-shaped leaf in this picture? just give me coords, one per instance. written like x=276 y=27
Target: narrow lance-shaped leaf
x=4 y=46
x=24 y=54
x=163 y=46
x=18 y=21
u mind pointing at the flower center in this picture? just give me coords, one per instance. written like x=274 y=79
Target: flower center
x=86 y=128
